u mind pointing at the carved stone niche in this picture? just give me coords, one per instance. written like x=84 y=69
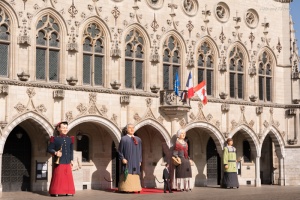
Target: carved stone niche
x=125 y=99
x=23 y=76
x=58 y=94
x=291 y=111
x=296 y=101
x=292 y=141
x=115 y=85
x=253 y=98
x=154 y=89
x=4 y=89
x=72 y=47
x=259 y=110
x=223 y=95
x=72 y=81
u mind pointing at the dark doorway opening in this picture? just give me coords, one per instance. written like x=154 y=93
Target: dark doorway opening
x=213 y=163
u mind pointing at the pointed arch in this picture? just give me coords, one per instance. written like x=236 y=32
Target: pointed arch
x=177 y=36
x=110 y=127
x=164 y=133
x=43 y=125
x=277 y=139
x=100 y=22
x=211 y=42
x=141 y=30
x=242 y=47
x=11 y=12
x=270 y=52
x=213 y=132
x=56 y=15
x=250 y=136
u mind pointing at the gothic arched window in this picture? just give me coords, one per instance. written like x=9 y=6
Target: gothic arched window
x=47 y=49
x=93 y=55
x=236 y=73
x=134 y=60
x=171 y=62
x=265 y=77
x=4 y=43
x=206 y=66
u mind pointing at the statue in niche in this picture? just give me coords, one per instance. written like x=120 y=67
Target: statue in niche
x=188 y=5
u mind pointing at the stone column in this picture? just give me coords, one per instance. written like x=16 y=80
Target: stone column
x=257 y=172
x=281 y=179
x=1 y=154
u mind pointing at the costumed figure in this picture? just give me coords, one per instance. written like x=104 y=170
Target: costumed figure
x=230 y=178
x=61 y=148
x=130 y=154
x=183 y=171
x=166 y=177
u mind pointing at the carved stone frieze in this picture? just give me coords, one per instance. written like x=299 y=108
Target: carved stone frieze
x=20 y=108
x=82 y=109
x=41 y=108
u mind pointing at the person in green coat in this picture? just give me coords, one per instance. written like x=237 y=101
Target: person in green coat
x=230 y=179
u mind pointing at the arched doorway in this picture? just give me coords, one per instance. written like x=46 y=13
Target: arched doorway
x=268 y=166
x=115 y=167
x=213 y=163
x=16 y=161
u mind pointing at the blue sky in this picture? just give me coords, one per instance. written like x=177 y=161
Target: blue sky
x=295 y=12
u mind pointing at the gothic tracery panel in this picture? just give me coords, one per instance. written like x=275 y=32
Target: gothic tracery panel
x=265 y=77
x=4 y=42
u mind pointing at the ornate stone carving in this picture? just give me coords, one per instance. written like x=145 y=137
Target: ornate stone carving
x=259 y=110
x=160 y=119
x=114 y=119
x=292 y=111
x=41 y=108
x=20 y=108
x=222 y=12
x=148 y=102
x=125 y=99
x=136 y=117
x=115 y=51
x=72 y=10
x=225 y=107
x=292 y=141
x=222 y=36
x=251 y=18
x=72 y=81
x=30 y=92
x=182 y=123
x=3 y=124
x=24 y=38
x=154 y=56
x=116 y=13
x=4 y=89
x=223 y=95
x=154 y=24
x=253 y=98
x=115 y=85
x=279 y=47
x=296 y=101
x=59 y=94
x=23 y=76
x=81 y=108
x=72 y=44
x=192 y=116
x=69 y=116
x=154 y=89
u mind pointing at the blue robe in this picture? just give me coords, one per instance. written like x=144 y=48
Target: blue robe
x=132 y=153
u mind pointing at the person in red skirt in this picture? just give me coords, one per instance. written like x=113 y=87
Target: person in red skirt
x=61 y=147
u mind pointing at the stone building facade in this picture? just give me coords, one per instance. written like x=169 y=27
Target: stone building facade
x=102 y=64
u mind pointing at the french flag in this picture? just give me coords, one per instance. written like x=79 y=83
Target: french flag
x=200 y=90
x=189 y=85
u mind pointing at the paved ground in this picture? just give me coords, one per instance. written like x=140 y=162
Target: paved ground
x=210 y=193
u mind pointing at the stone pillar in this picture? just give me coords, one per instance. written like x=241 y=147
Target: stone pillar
x=281 y=179
x=257 y=172
x=1 y=154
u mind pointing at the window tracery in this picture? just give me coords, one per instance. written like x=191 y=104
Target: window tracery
x=4 y=43
x=236 y=73
x=265 y=77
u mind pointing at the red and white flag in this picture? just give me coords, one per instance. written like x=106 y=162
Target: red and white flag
x=200 y=90
x=189 y=86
